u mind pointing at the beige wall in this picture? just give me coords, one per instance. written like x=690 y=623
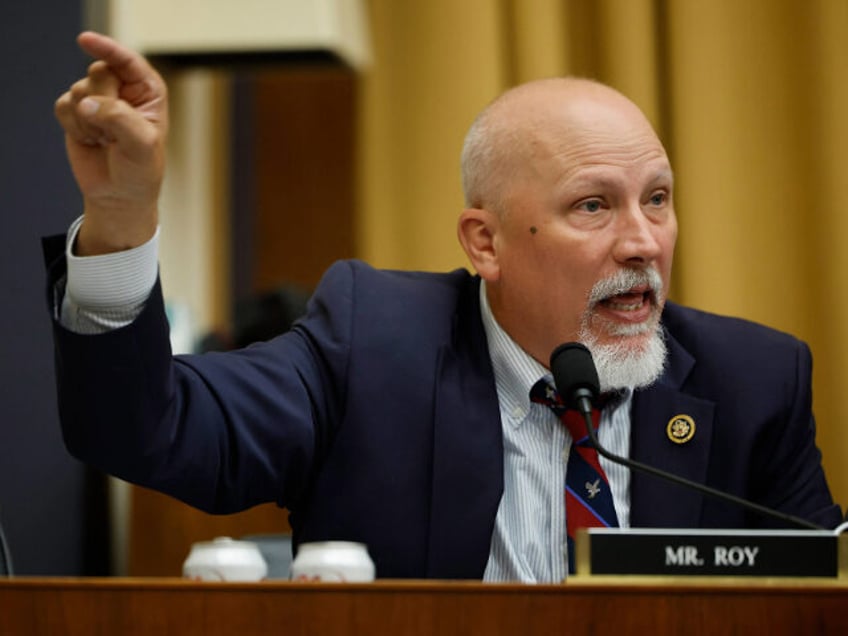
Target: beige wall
x=195 y=259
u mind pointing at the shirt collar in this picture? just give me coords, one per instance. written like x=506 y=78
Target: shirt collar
x=516 y=371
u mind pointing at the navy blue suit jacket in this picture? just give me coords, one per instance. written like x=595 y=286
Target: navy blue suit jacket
x=375 y=419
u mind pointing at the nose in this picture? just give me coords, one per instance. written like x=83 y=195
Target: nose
x=638 y=236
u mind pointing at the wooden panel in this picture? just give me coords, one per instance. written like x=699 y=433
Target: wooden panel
x=163 y=529
x=130 y=607
x=304 y=136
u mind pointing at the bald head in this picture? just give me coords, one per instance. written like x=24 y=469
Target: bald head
x=512 y=137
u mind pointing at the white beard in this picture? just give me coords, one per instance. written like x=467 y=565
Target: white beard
x=624 y=364
x=620 y=366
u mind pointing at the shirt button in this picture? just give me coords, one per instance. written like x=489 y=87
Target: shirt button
x=564 y=455
x=518 y=412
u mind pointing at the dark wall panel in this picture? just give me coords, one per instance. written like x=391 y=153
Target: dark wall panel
x=43 y=491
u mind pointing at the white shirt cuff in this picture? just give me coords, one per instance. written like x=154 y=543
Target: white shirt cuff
x=111 y=281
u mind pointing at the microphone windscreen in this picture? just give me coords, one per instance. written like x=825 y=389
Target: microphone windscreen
x=573 y=369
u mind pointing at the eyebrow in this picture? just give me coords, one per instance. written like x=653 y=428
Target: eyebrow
x=601 y=181
x=666 y=174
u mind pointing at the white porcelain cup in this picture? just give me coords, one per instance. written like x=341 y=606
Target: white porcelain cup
x=225 y=559
x=333 y=561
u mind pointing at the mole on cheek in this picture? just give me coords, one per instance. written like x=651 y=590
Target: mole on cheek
x=533 y=229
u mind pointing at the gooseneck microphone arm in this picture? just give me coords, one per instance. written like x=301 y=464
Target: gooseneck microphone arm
x=577 y=382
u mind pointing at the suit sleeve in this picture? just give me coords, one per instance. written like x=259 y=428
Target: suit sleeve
x=221 y=431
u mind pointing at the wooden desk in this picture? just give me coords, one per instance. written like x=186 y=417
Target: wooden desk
x=126 y=607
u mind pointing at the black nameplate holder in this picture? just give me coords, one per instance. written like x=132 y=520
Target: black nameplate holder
x=687 y=552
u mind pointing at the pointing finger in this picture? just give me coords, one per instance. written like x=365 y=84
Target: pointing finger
x=139 y=83
x=129 y=66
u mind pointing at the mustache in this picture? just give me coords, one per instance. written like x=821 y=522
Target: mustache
x=624 y=280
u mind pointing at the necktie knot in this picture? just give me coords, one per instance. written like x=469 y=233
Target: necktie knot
x=543 y=393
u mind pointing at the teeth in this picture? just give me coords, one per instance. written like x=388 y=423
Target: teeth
x=623 y=306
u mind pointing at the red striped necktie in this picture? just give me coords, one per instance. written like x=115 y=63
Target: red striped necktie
x=588 y=499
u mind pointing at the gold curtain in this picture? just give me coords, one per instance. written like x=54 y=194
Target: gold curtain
x=749 y=96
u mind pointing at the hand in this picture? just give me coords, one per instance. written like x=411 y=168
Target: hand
x=116 y=122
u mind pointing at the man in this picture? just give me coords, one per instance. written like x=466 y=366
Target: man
x=397 y=412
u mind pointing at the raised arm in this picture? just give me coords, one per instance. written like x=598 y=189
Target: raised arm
x=115 y=121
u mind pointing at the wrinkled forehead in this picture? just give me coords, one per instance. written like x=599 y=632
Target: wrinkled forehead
x=633 y=149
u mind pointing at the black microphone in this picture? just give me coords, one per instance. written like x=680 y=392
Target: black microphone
x=576 y=380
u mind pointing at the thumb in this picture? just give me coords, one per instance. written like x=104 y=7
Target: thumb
x=88 y=107
x=110 y=120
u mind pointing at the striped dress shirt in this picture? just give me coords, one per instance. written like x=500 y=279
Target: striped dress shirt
x=107 y=292
x=529 y=540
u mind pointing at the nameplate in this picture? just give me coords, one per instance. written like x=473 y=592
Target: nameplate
x=670 y=552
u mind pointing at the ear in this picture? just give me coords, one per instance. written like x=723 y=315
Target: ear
x=477 y=231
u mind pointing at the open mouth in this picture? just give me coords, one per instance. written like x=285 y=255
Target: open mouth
x=627 y=312
x=627 y=302
x=631 y=300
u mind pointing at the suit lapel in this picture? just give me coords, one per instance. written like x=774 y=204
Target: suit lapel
x=467 y=481
x=655 y=502
x=467 y=451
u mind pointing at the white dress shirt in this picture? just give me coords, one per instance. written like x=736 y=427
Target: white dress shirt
x=529 y=543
